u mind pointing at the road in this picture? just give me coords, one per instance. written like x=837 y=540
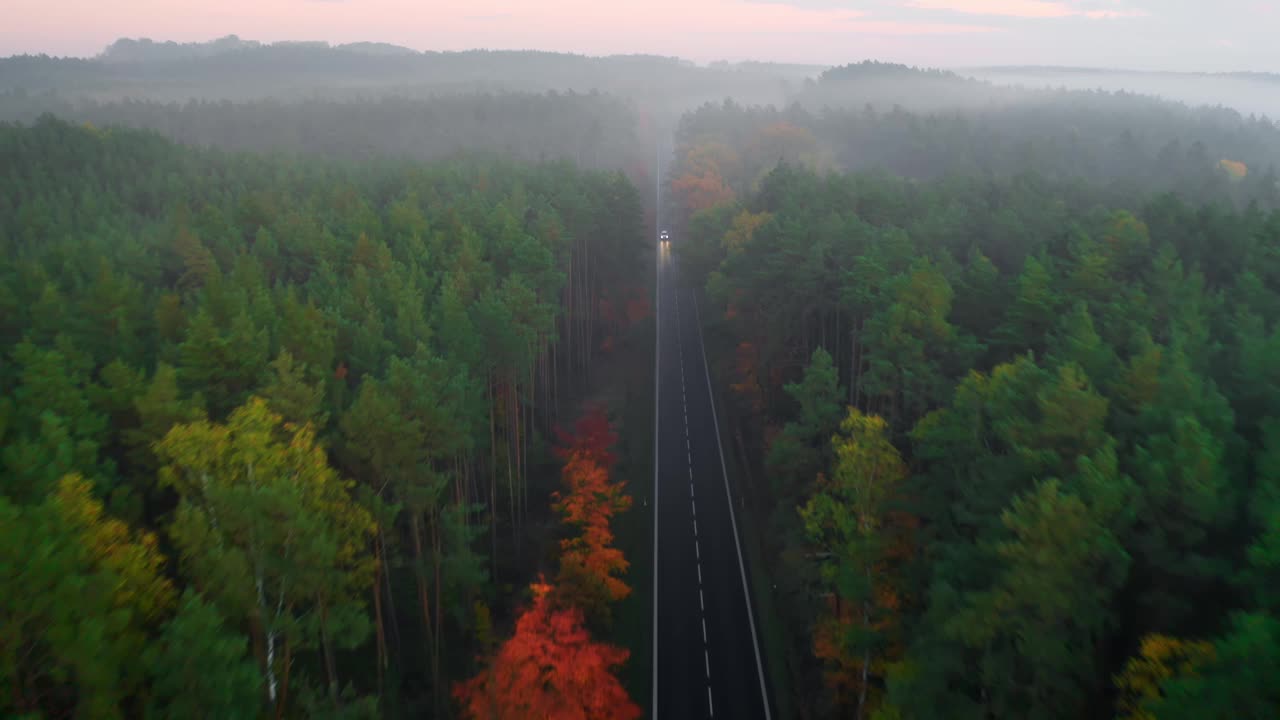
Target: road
x=707 y=661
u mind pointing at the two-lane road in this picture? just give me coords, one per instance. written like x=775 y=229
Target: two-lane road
x=707 y=661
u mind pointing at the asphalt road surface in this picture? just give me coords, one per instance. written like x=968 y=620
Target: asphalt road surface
x=707 y=661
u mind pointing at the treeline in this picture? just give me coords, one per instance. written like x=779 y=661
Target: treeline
x=1013 y=449
x=592 y=130
x=1123 y=145
x=275 y=430
x=242 y=70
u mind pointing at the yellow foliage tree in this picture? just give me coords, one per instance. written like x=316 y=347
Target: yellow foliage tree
x=270 y=533
x=849 y=520
x=743 y=230
x=1159 y=658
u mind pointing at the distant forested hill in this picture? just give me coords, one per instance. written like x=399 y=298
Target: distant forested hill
x=235 y=69
x=592 y=130
x=932 y=124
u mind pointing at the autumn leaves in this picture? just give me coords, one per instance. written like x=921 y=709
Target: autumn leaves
x=270 y=533
x=550 y=667
x=590 y=565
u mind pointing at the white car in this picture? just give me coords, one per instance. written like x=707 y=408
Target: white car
x=664 y=236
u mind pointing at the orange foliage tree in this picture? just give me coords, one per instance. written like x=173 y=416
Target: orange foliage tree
x=703 y=182
x=590 y=564
x=550 y=668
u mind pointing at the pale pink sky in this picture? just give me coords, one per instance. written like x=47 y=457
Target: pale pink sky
x=1158 y=34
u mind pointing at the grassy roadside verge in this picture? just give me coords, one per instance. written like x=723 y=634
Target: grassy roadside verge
x=751 y=533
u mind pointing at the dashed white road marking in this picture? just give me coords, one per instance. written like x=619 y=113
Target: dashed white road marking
x=699 y=574
x=701 y=606
x=733 y=523
x=695 y=507
x=711 y=708
x=696 y=551
x=704 y=640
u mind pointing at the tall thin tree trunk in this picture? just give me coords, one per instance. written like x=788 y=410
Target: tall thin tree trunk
x=493 y=486
x=424 y=595
x=438 y=556
x=524 y=459
x=257 y=634
x=862 y=689
x=866 y=652
x=379 y=625
x=269 y=667
x=569 y=308
x=326 y=647
x=508 y=400
x=391 y=598
x=284 y=684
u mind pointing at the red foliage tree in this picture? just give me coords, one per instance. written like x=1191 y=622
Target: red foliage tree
x=592 y=439
x=550 y=668
x=590 y=565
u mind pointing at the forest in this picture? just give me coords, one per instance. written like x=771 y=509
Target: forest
x=1010 y=437
x=286 y=434
x=326 y=393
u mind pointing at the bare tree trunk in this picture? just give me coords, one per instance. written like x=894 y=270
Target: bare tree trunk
x=569 y=308
x=866 y=652
x=438 y=552
x=493 y=486
x=423 y=591
x=270 y=657
x=524 y=459
x=380 y=627
x=326 y=647
x=391 y=600
x=862 y=690
x=508 y=410
x=257 y=633
x=284 y=685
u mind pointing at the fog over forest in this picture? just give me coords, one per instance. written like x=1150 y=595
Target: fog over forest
x=349 y=381
x=1246 y=93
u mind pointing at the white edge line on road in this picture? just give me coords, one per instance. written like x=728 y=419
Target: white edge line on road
x=657 y=351
x=737 y=544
